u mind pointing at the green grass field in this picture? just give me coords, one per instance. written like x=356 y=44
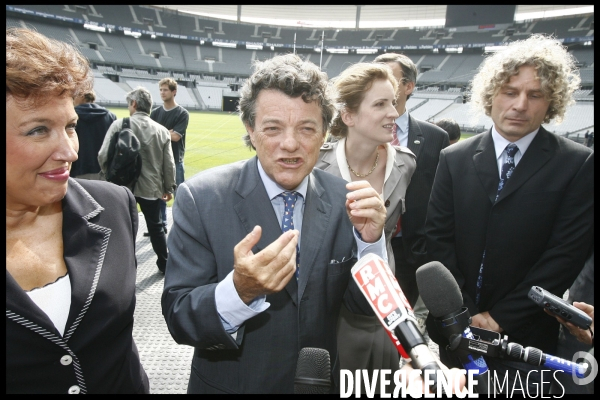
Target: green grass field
x=213 y=138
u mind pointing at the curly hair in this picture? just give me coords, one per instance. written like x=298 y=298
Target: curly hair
x=350 y=87
x=294 y=77
x=39 y=68
x=554 y=65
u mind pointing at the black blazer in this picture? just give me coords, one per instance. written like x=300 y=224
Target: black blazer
x=213 y=211
x=539 y=232
x=426 y=141
x=97 y=353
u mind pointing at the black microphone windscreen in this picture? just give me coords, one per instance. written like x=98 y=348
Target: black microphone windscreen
x=438 y=289
x=313 y=371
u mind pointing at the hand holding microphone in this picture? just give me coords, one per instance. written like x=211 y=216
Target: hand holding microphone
x=443 y=298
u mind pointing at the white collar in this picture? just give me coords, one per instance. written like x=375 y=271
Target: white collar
x=402 y=121
x=500 y=142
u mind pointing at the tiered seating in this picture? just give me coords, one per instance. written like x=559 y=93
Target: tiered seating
x=108 y=90
x=587 y=76
x=204 y=63
x=465 y=117
x=117 y=53
x=234 y=61
x=430 y=109
x=578 y=117
x=212 y=97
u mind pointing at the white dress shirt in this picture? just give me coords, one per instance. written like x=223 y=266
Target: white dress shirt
x=500 y=144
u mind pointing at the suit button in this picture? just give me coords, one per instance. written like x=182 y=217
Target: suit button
x=417 y=142
x=66 y=360
x=74 y=389
x=387 y=203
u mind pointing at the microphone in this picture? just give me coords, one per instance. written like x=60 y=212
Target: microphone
x=382 y=291
x=536 y=357
x=442 y=297
x=313 y=372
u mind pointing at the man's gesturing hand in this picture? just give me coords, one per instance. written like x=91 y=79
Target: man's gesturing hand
x=267 y=271
x=366 y=210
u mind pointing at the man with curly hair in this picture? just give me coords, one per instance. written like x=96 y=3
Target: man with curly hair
x=513 y=207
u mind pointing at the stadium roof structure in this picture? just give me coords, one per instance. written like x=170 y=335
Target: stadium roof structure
x=358 y=16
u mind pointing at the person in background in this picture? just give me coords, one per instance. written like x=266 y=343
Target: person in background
x=175 y=118
x=365 y=94
x=514 y=207
x=157 y=177
x=426 y=141
x=94 y=120
x=70 y=243
x=451 y=127
x=260 y=251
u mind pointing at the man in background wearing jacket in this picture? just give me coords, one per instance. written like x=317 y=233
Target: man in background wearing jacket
x=94 y=121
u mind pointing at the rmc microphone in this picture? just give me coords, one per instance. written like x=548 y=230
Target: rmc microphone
x=381 y=289
x=441 y=295
x=313 y=372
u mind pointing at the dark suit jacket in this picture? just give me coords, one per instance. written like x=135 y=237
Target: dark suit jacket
x=426 y=141
x=99 y=230
x=538 y=233
x=213 y=211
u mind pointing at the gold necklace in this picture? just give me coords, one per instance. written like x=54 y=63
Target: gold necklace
x=368 y=173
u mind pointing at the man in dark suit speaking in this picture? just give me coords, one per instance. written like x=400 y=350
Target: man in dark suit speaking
x=514 y=207
x=247 y=296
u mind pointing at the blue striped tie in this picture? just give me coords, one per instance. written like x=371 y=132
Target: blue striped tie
x=505 y=173
x=287 y=222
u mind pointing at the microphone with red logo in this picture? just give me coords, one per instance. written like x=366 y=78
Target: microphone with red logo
x=381 y=289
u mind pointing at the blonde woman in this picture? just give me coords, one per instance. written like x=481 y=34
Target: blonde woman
x=365 y=95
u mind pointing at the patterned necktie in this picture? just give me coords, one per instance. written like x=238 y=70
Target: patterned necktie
x=508 y=167
x=287 y=221
x=395 y=141
x=505 y=173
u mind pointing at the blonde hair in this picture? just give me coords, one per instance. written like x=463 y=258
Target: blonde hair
x=554 y=66
x=350 y=87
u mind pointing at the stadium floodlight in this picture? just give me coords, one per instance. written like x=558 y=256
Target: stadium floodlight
x=224 y=44
x=254 y=46
x=366 y=51
x=96 y=28
x=337 y=51
x=134 y=34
